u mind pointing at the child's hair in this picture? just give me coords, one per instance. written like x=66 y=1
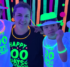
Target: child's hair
x=22 y=4
x=50 y=20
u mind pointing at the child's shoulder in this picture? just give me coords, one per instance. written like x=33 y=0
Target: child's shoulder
x=45 y=38
x=66 y=39
x=67 y=35
x=9 y=22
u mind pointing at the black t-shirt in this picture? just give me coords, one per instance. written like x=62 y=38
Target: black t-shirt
x=27 y=52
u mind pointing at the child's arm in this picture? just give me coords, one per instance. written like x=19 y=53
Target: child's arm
x=62 y=50
x=9 y=22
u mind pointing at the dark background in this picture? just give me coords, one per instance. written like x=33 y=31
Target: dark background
x=60 y=8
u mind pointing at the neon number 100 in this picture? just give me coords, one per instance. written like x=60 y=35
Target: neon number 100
x=4 y=37
x=19 y=54
x=49 y=54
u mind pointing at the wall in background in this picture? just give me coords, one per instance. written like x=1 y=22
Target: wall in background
x=60 y=7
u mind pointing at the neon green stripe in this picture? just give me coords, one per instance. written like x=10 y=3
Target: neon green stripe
x=44 y=6
x=56 y=7
x=69 y=30
x=8 y=10
x=12 y=9
x=25 y=1
x=33 y=10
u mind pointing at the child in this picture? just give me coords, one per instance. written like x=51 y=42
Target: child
x=5 y=29
x=54 y=51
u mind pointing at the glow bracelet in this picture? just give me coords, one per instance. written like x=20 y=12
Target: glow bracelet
x=62 y=51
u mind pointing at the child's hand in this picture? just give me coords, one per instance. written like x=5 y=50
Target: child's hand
x=37 y=29
x=59 y=34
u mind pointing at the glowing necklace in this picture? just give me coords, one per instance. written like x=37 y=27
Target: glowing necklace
x=3 y=27
x=21 y=38
x=49 y=47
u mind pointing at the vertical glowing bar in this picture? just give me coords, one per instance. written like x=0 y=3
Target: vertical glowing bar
x=69 y=30
x=11 y=0
x=65 y=17
x=16 y=1
x=12 y=9
x=33 y=9
x=31 y=13
x=56 y=7
x=8 y=10
x=4 y=15
x=44 y=6
x=0 y=1
x=50 y=5
x=38 y=11
x=25 y=1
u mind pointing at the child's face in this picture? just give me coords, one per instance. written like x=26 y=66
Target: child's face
x=22 y=17
x=50 y=30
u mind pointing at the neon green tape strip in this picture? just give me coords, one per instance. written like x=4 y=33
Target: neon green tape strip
x=44 y=6
x=8 y=10
x=62 y=51
x=25 y=1
x=69 y=30
x=12 y=9
x=33 y=9
x=56 y=7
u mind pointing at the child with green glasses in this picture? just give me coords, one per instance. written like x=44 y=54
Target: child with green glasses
x=55 y=44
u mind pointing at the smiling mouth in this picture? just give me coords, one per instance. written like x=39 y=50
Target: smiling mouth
x=22 y=23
